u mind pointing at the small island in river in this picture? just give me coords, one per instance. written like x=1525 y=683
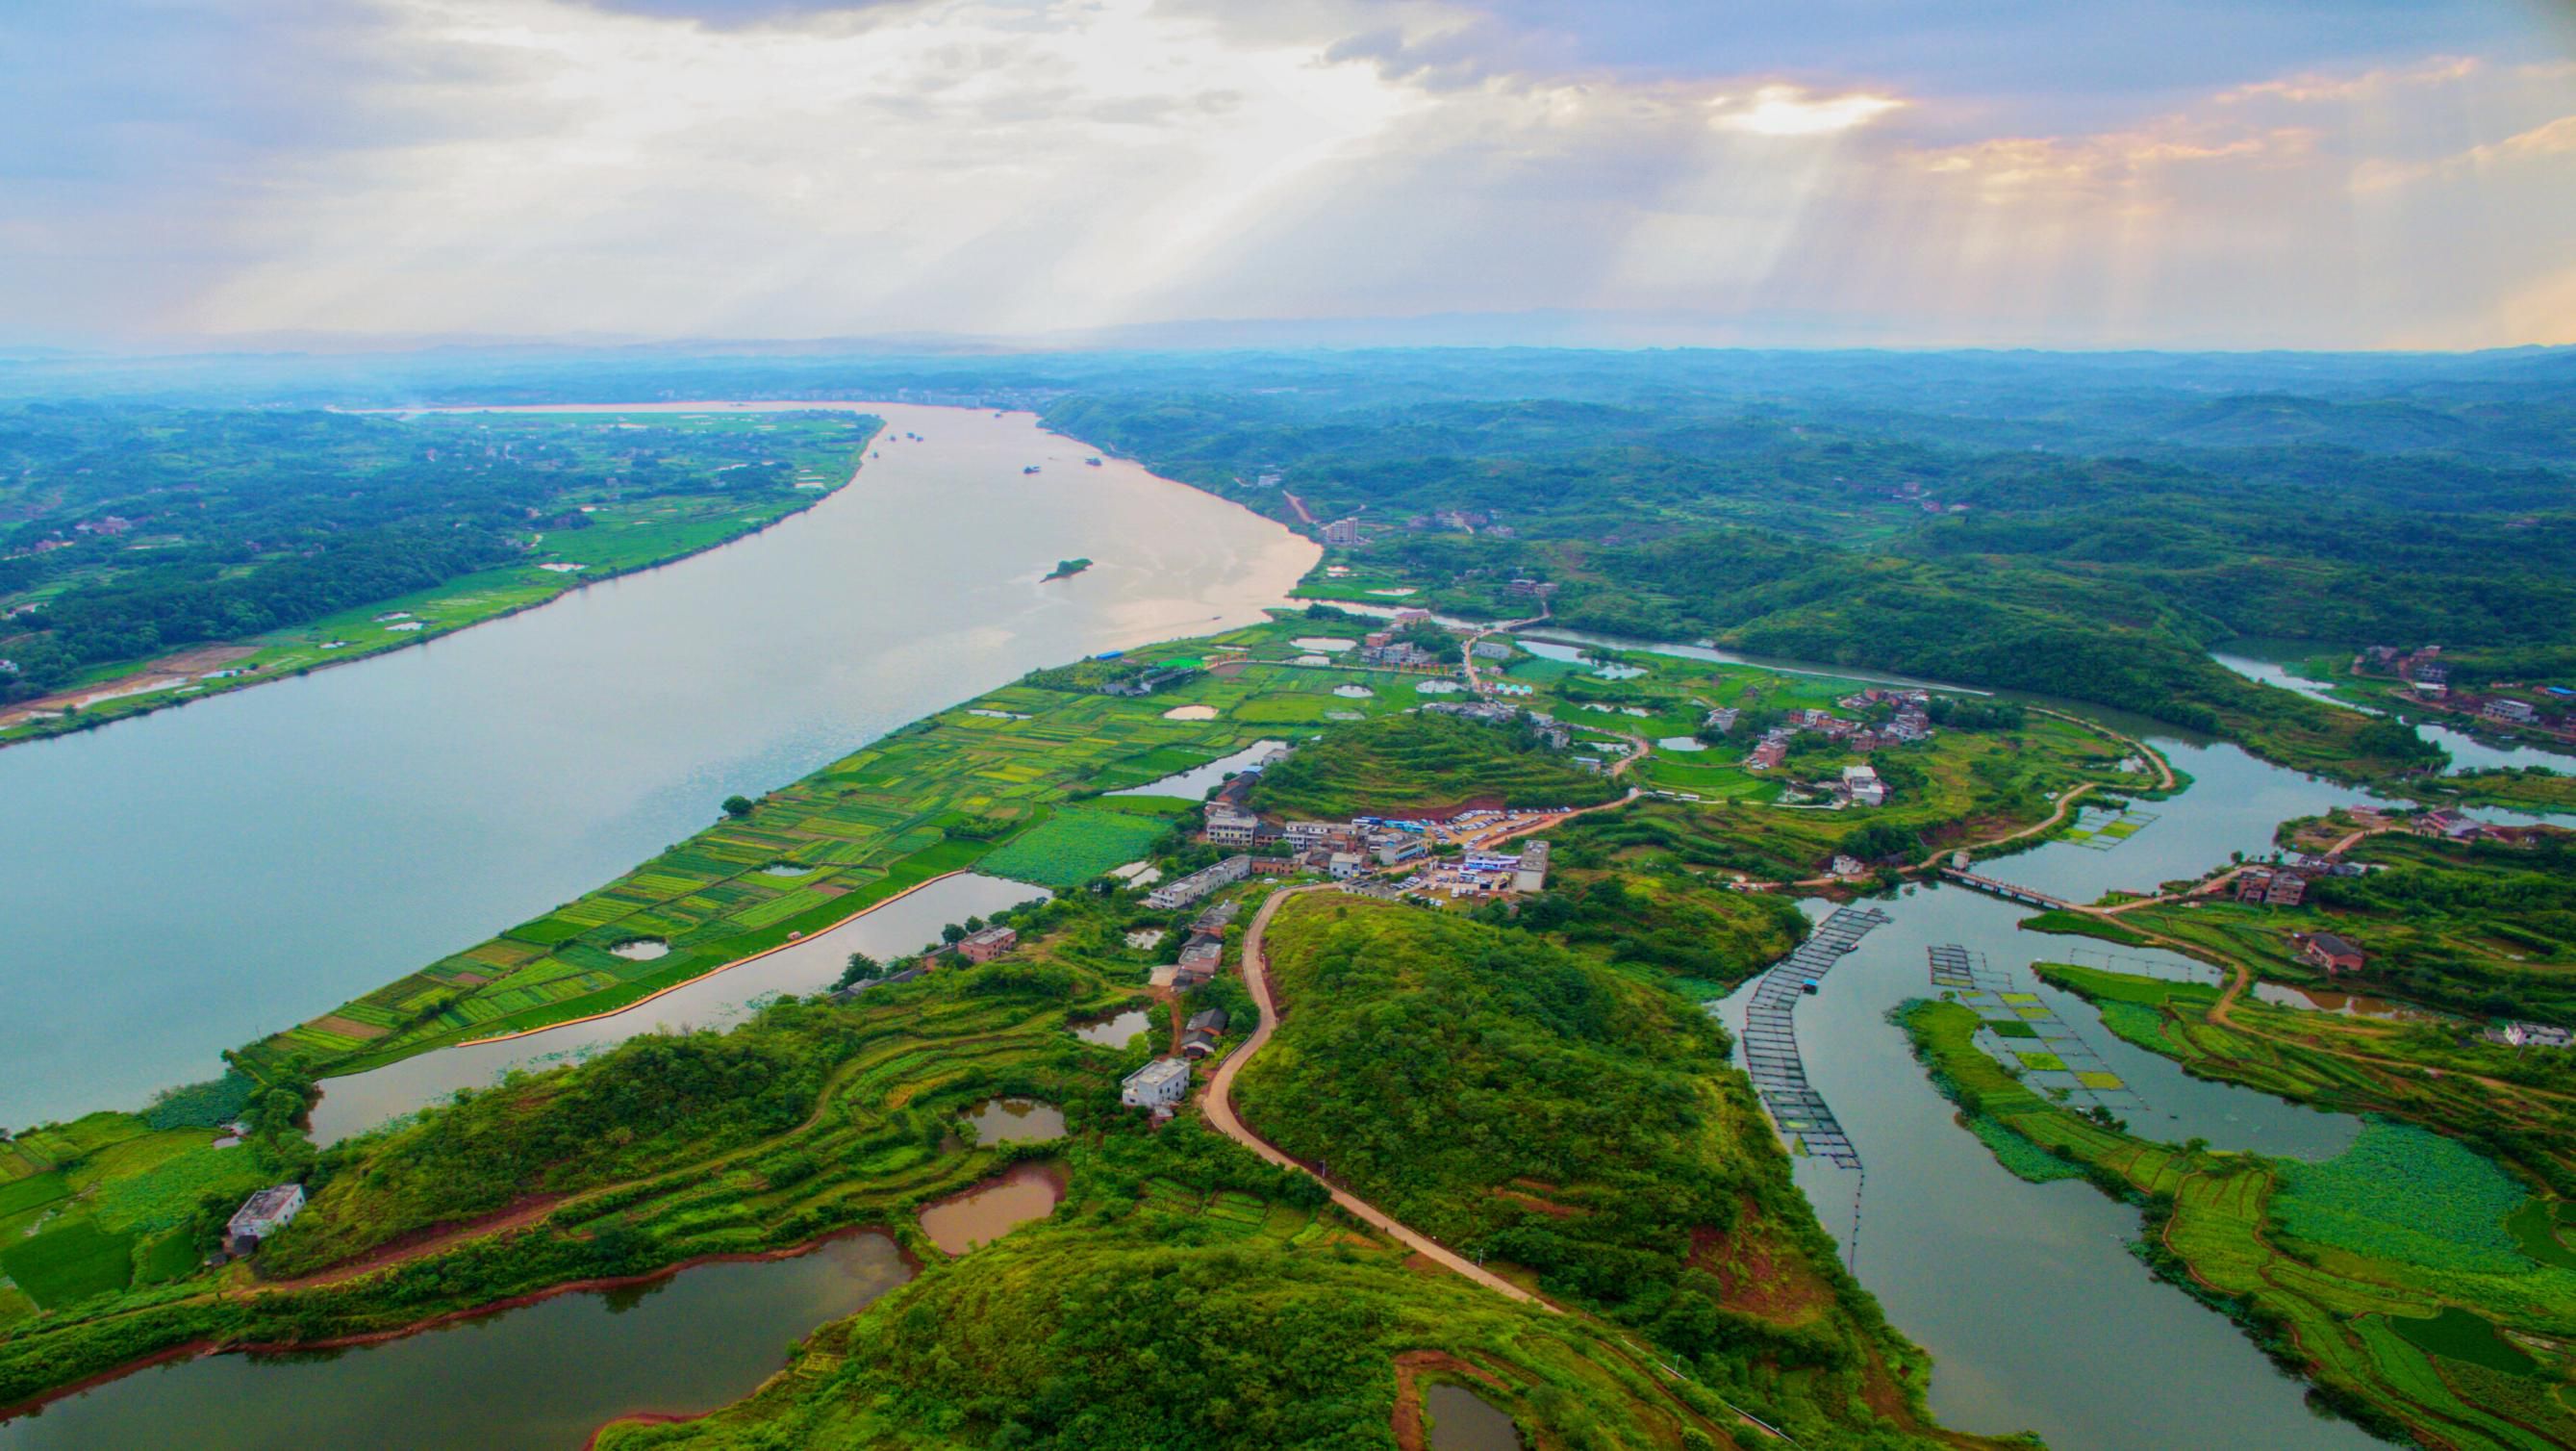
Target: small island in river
x=1067 y=569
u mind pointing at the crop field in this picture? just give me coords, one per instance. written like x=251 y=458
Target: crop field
x=1075 y=845
x=2393 y=1264
x=935 y=797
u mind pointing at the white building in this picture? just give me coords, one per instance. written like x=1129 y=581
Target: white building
x=1162 y=1083
x=1529 y=874
x=1344 y=532
x=1864 y=787
x=1227 y=826
x=1198 y=884
x=262 y=1215
x=1303 y=834
x=1346 y=865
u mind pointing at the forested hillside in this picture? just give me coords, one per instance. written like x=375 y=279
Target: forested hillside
x=128 y=531
x=2080 y=531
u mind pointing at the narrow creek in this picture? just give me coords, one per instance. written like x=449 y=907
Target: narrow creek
x=540 y=1377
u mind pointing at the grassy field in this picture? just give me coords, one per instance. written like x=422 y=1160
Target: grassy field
x=2390 y=1275
x=623 y=532
x=1415 y=762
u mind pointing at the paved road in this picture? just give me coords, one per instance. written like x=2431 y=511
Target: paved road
x=1219 y=1106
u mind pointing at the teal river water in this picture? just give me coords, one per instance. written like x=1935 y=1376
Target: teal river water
x=304 y=841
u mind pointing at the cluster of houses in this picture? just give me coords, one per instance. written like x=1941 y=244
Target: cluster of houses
x=2448 y=825
x=1466 y=521
x=2530 y=1035
x=2424 y=667
x=1910 y=723
x=2271 y=887
x=1555 y=734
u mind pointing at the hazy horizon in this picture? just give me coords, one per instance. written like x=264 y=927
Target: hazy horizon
x=2178 y=175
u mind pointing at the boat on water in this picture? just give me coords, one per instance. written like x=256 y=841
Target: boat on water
x=1094 y=461
x=1033 y=468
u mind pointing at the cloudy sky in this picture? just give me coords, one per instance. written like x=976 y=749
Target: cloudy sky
x=2239 y=173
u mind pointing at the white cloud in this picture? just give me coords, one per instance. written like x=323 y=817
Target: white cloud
x=770 y=168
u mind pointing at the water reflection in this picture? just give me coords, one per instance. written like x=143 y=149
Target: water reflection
x=537 y=1378
x=994 y=1208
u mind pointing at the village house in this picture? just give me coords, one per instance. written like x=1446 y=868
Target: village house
x=1343 y=532
x=1199 y=883
x=1199 y=1034
x=1159 y=1085
x=1306 y=834
x=1862 y=785
x=988 y=944
x=1345 y=865
x=1403 y=849
x=2332 y=953
x=1722 y=719
x=1538 y=587
x=2509 y=711
x=1199 y=962
x=1228 y=826
x=263 y=1214
x=1495 y=650
x=1529 y=874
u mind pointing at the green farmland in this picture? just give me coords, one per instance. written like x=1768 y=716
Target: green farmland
x=938 y=796
x=2393 y=1276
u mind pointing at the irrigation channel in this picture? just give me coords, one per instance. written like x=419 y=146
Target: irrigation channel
x=187 y=881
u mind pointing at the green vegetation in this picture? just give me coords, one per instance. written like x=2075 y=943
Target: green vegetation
x=1576 y=1130
x=2487 y=928
x=262 y=544
x=2400 y=1193
x=1424 y=761
x=1836 y=511
x=1076 y=844
x=2379 y=1275
x=813 y=1118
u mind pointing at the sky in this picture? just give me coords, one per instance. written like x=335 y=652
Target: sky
x=2165 y=173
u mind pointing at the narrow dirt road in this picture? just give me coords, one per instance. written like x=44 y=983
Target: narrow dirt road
x=1219 y=1105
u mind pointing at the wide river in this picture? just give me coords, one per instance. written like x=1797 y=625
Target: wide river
x=189 y=879
x=184 y=882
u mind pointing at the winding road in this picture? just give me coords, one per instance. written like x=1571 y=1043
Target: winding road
x=1219 y=1106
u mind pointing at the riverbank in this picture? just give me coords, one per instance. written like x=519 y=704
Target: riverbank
x=620 y=539
x=310 y=843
